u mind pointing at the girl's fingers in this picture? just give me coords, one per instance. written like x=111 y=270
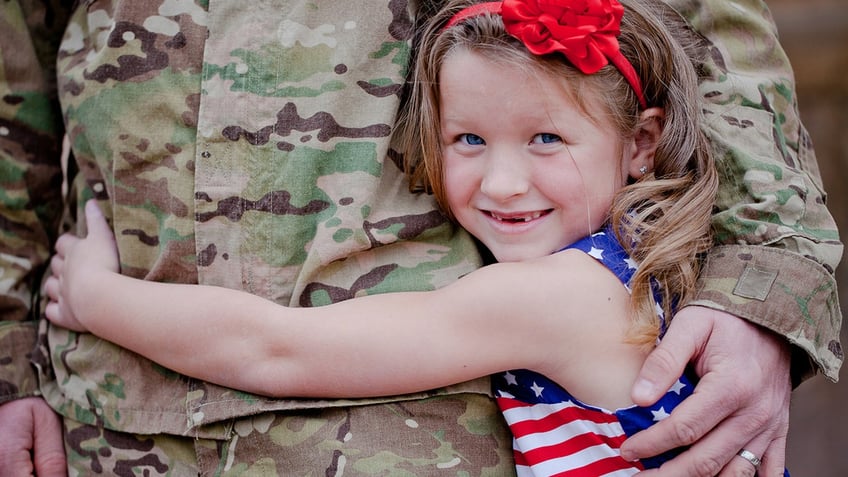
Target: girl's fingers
x=51 y=287
x=65 y=242
x=96 y=222
x=52 y=311
x=57 y=265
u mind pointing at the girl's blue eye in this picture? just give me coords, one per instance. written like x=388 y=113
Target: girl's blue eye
x=546 y=138
x=472 y=139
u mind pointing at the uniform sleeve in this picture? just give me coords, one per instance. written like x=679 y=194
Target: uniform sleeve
x=30 y=179
x=777 y=244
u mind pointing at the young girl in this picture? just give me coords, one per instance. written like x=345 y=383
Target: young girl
x=572 y=151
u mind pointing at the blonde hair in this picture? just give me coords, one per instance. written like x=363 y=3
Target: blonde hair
x=663 y=218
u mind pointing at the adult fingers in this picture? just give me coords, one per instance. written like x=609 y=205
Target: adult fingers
x=742 y=401
x=48 y=444
x=666 y=362
x=748 y=460
x=774 y=457
x=688 y=425
x=723 y=416
x=746 y=463
x=769 y=447
x=715 y=454
x=27 y=427
x=15 y=440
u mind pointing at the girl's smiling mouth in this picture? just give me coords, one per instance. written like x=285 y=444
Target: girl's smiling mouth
x=522 y=217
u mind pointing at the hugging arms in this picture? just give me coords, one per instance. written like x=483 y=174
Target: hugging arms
x=754 y=128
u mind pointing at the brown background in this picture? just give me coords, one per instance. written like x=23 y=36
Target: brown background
x=815 y=36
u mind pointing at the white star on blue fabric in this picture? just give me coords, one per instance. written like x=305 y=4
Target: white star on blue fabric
x=537 y=389
x=596 y=253
x=510 y=378
x=631 y=264
x=660 y=414
x=677 y=387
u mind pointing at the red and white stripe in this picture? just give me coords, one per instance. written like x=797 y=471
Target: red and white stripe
x=564 y=439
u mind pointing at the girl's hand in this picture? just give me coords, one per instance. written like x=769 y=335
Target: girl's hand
x=80 y=266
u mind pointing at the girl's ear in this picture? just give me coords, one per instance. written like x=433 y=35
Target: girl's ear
x=645 y=142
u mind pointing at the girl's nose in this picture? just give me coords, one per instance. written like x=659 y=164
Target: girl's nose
x=505 y=177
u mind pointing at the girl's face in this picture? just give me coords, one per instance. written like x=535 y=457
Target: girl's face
x=526 y=172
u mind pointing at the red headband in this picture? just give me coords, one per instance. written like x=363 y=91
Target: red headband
x=585 y=31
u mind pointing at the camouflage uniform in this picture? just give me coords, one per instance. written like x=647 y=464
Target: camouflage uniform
x=246 y=145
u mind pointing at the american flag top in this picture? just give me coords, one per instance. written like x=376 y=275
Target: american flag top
x=557 y=435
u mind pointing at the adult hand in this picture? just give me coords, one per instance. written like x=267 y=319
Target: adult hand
x=31 y=439
x=740 y=402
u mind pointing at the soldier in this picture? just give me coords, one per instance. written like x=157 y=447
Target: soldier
x=248 y=147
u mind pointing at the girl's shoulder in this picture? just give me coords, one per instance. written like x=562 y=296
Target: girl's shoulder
x=597 y=254
x=571 y=277
x=604 y=247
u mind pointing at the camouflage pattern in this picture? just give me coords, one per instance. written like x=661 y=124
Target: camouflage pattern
x=403 y=438
x=248 y=146
x=771 y=191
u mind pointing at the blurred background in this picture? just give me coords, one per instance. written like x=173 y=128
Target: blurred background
x=814 y=34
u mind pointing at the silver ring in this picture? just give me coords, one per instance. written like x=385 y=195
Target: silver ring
x=750 y=457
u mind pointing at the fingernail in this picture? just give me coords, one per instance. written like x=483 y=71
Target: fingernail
x=91 y=207
x=642 y=389
x=629 y=455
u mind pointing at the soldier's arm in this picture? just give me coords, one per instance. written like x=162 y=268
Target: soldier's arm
x=777 y=244
x=773 y=263
x=30 y=178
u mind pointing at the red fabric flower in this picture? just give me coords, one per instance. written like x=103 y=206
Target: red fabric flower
x=585 y=31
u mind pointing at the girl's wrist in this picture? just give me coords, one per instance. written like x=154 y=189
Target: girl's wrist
x=84 y=289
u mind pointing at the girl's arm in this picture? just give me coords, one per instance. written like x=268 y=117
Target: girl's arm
x=520 y=315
